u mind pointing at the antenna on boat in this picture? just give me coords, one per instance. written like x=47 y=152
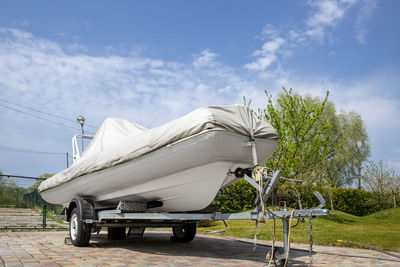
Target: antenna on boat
x=81 y=121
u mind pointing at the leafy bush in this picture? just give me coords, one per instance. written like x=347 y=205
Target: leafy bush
x=240 y=197
x=358 y=202
x=236 y=197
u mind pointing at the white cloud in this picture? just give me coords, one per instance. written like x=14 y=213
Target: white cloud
x=18 y=33
x=269 y=32
x=42 y=73
x=59 y=80
x=373 y=97
x=326 y=13
x=367 y=6
x=270 y=47
x=267 y=54
x=261 y=63
x=205 y=59
x=379 y=112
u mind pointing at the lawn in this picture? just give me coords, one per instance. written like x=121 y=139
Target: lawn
x=371 y=230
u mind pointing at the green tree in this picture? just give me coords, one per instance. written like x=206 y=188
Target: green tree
x=317 y=145
x=305 y=138
x=377 y=178
x=349 y=149
x=358 y=147
x=348 y=145
x=8 y=189
x=2 y=180
x=394 y=189
x=331 y=167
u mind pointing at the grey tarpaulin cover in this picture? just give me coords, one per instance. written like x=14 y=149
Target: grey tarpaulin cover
x=118 y=141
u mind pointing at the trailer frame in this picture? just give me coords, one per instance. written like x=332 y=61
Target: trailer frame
x=136 y=216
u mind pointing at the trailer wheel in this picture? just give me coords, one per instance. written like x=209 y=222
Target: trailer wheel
x=79 y=232
x=184 y=233
x=116 y=233
x=279 y=262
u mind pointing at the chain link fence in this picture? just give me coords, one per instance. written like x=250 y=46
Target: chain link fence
x=21 y=207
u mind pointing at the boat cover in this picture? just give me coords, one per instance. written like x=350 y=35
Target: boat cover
x=118 y=140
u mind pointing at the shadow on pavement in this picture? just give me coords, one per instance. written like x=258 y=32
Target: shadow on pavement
x=160 y=244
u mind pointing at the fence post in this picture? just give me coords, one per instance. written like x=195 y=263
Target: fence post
x=16 y=202
x=44 y=215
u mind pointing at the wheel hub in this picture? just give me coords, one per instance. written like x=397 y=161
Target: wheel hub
x=74 y=226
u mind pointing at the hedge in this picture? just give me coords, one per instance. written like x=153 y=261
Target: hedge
x=240 y=197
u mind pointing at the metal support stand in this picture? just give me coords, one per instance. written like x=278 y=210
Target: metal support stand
x=136 y=231
x=311 y=239
x=286 y=226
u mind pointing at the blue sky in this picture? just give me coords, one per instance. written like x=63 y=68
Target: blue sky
x=153 y=61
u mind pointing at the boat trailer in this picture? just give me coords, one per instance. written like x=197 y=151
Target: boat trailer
x=84 y=219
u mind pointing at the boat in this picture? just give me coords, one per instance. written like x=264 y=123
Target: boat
x=181 y=165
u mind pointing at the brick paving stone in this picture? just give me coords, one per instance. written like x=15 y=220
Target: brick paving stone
x=14 y=264
x=155 y=248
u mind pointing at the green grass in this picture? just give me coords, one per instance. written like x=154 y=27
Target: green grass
x=371 y=230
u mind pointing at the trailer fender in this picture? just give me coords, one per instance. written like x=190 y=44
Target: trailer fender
x=85 y=208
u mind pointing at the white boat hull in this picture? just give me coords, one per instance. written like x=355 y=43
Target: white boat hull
x=185 y=176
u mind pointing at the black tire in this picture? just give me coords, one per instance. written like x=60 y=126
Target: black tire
x=184 y=233
x=278 y=263
x=116 y=233
x=79 y=232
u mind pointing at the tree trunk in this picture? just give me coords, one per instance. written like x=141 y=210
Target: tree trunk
x=299 y=200
x=300 y=205
x=394 y=200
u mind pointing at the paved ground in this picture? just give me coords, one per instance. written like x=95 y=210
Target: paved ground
x=155 y=248
x=24 y=217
